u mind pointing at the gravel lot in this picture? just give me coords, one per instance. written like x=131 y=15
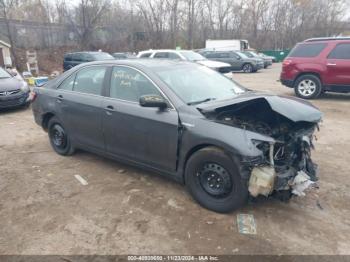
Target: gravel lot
x=125 y=210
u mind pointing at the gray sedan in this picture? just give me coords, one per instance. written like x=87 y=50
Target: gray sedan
x=238 y=60
x=184 y=121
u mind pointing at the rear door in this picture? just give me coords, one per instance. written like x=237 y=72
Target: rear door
x=338 y=66
x=79 y=101
x=145 y=135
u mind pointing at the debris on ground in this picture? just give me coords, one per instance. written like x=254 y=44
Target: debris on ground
x=81 y=180
x=246 y=224
x=319 y=205
x=301 y=183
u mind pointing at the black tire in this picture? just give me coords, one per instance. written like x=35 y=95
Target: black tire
x=247 y=68
x=59 y=139
x=200 y=168
x=308 y=87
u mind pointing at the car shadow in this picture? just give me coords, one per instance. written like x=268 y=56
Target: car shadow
x=335 y=96
x=13 y=110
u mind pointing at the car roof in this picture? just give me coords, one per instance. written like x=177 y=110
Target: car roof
x=149 y=63
x=164 y=50
x=326 y=39
x=86 y=52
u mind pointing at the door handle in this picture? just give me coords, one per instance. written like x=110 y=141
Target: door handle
x=59 y=99
x=331 y=64
x=109 y=110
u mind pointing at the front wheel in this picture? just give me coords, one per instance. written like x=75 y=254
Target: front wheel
x=247 y=68
x=59 y=139
x=308 y=87
x=213 y=180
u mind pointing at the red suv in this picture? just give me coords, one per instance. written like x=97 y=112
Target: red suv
x=318 y=65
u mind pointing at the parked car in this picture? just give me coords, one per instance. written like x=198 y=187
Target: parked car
x=252 y=54
x=14 y=91
x=186 y=55
x=238 y=61
x=318 y=65
x=273 y=58
x=185 y=121
x=73 y=59
x=123 y=56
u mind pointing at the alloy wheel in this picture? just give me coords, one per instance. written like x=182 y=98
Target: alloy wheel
x=247 y=68
x=307 y=87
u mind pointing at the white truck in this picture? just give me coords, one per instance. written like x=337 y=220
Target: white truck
x=227 y=45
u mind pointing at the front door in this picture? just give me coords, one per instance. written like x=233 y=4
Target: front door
x=146 y=135
x=338 y=66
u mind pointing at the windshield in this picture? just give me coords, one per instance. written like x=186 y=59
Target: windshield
x=102 y=56
x=192 y=56
x=4 y=73
x=249 y=54
x=196 y=84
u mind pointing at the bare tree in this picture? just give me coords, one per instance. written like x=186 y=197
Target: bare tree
x=5 y=9
x=86 y=19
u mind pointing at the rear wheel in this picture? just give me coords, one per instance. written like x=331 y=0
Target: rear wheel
x=59 y=139
x=247 y=68
x=308 y=87
x=213 y=180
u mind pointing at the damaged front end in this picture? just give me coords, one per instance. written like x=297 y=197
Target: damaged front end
x=284 y=166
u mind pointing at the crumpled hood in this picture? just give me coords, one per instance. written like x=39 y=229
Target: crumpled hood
x=213 y=64
x=292 y=108
x=9 y=84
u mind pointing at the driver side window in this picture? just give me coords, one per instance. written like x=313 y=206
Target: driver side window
x=129 y=84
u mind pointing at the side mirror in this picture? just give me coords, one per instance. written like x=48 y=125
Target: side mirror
x=153 y=101
x=13 y=73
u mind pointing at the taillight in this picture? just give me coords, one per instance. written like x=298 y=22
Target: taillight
x=32 y=96
x=287 y=62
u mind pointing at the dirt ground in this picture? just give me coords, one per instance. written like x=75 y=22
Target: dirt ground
x=124 y=210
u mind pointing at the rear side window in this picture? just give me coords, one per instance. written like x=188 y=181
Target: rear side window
x=161 y=55
x=341 y=51
x=307 y=50
x=68 y=57
x=173 y=56
x=68 y=83
x=90 y=80
x=87 y=57
x=145 y=55
x=223 y=55
x=211 y=55
x=77 y=57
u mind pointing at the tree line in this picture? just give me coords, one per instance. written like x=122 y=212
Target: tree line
x=132 y=25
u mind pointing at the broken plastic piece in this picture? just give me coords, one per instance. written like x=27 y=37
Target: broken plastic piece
x=300 y=183
x=261 y=181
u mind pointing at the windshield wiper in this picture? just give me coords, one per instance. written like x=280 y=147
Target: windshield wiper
x=201 y=101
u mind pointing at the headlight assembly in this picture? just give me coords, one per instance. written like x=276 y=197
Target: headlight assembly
x=24 y=87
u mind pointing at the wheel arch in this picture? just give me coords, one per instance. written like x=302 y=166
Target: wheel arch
x=247 y=63
x=307 y=73
x=46 y=118
x=194 y=150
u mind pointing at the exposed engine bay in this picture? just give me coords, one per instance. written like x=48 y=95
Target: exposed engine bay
x=285 y=167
